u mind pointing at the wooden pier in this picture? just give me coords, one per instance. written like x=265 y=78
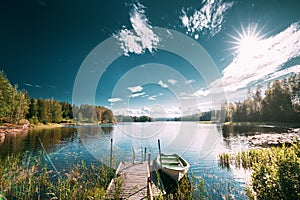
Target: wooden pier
x=133 y=181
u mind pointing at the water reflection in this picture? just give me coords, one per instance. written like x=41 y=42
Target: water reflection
x=31 y=141
x=199 y=144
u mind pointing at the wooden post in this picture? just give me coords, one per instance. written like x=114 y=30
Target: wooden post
x=145 y=153
x=142 y=154
x=111 y=149
x=159 y=153
x=150 y=167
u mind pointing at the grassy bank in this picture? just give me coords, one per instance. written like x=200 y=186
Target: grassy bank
x=46 y=126
x=26 y=177
x=275 y=171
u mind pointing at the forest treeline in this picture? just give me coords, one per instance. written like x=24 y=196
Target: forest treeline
x=280 y=102
x=16 y=106
x=122 y=118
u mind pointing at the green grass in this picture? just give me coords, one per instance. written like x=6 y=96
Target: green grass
x=275 y=171
x=25 y=177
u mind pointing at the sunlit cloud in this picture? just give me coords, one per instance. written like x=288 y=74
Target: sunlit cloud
x=113 y=100
x=153 y=111
x=172 y=81
x=137 y=94
x=284 y=72
x=252 y=65
x=135 y=88
x=142 y=37
x=162 y=84
x=209 y=18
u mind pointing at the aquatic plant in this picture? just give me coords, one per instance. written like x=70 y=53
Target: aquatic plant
x=22 y=177
x=25 y=177
x=275 y=171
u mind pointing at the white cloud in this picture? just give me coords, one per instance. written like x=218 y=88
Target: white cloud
x=135 y=88
x=162 y=84
x=28 y=84
x=195 y=95
x=141 y=37
x=267 y=59
x=145 y=110
x=172 y=81
x=284 y=72
x=152 y=98
x=209 y=18
x=189 y=81
x=202 y=93
x=137 y=94
x=113 y=100
x=31 y=85
x=146 y=95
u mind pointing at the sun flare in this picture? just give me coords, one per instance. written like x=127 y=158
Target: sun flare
x=247 y=41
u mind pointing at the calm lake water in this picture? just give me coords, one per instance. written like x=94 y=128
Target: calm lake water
x=199 y=144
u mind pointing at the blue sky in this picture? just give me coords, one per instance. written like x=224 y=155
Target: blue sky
x=44 y=44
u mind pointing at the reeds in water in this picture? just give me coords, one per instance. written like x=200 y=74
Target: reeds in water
x=275 y=171
x=28 y=177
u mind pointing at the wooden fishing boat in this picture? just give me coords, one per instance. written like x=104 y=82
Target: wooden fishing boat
x=171 y=164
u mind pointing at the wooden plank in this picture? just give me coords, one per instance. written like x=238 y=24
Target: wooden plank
x=131 y=182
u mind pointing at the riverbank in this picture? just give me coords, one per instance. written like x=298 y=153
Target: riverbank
x=12 y=129
x=46 y=126
x=21 y=129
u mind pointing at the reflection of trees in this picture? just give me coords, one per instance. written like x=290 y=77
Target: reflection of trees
x=22 y=142
x=227 y=131
x=107 y=129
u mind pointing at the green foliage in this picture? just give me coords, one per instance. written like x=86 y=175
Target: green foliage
x=26 y=177
x=275 y=171
x=82 y=182
x=281 y=103
x=142 y=119
x=66 y=110
x=22 y=177
x=14 y=103
x=93 y=114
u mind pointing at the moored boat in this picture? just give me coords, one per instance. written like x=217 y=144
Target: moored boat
x=171 y=164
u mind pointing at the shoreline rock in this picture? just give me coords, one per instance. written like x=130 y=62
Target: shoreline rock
x=264 y=140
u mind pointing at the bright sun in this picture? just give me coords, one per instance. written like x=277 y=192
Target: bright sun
x=247 y=44
x=247 y=41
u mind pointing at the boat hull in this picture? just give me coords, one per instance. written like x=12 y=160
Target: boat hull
x=173 y=165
